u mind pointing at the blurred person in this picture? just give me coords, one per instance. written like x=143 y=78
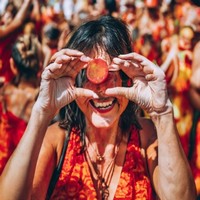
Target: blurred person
x=147 y=47
x=18 y=96
x=111 y=7
x=50 y=37
x=64 y=36
x=11 y=27
x=107 y=151
x=130 y=17
x=68 y=8
x=151 y=21
x=177 y=64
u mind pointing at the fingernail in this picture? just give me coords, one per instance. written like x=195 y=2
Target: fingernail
x=85 y=58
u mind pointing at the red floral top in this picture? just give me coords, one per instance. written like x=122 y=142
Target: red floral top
x=75 y=181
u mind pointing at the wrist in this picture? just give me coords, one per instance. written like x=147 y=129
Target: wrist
x=43 y=114
x=167 y=109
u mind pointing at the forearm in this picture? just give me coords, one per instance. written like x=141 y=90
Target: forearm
x=16 y=179
x=23 y=10
x=174 y=178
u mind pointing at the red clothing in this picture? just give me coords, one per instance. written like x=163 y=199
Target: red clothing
x=75 y=181
x=5 y=54
x=11 y=131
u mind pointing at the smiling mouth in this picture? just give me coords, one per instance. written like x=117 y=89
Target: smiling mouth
x=103 y=106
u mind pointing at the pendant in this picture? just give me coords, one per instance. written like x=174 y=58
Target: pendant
x=100 y=158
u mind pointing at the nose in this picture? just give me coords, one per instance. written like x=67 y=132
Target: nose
x=100 y=89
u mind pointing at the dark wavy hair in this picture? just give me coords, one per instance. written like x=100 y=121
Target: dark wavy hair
x=111 y=35
x=26 y=57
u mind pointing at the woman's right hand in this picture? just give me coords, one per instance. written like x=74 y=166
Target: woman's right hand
x=57 y=84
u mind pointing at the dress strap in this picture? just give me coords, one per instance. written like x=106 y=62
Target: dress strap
x=58 y=169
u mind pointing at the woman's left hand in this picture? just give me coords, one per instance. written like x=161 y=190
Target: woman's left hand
x=149 y=88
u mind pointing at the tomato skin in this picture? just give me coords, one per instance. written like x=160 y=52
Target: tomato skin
x=97 y=71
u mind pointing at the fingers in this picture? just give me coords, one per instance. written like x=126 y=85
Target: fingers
x=131 y=68
x=49 y=72
x=121 y=91
x=81 y=92
x=66 y=62
x=138 y=65
x=69 y=52
x=130 y=56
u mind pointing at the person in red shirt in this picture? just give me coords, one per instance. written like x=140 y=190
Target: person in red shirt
x=18 y=96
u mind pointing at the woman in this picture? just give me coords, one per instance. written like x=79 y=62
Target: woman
x=112 y=153
x=18 y=96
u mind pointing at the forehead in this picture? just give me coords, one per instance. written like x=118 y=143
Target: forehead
x=99 y=52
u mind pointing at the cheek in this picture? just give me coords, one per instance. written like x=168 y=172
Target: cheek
x=82 y=103
x=124 y=103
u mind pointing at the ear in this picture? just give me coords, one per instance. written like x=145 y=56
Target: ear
x=13 y=67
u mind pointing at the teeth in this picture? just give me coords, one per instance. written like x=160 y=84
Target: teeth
x=103 y=104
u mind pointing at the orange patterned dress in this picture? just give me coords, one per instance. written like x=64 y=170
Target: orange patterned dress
x=75 y=181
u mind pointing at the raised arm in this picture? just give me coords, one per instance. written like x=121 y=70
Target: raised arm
x=56 y=90
x=172 y=177
x=17 y=21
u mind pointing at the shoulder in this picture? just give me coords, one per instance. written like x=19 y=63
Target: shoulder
x=55 y=137
x=48 y=160
x=19 y=101
x=147 y=133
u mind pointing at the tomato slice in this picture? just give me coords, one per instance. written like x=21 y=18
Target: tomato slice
x=97 y=71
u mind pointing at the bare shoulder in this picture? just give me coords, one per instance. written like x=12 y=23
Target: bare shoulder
x=47 y=161
x=54 y=140
x=147 y=133
x=55 y=136
x=19 y=101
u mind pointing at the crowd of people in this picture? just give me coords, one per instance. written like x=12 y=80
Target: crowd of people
x=134 y=136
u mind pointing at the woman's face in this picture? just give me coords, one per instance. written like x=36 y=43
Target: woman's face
x=105 y=111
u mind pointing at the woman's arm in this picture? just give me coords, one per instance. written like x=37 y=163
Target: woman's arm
x=56 y=90
x=172 y=176
x=167 y=164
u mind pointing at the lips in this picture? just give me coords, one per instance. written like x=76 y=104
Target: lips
x=103 y=106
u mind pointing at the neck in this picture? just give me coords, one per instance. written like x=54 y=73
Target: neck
x=102 y=135
x=102 y=150
x=104 y=140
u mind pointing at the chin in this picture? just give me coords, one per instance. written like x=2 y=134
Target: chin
x=102 y=122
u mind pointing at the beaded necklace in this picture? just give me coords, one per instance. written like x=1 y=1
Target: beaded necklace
x=101 y=177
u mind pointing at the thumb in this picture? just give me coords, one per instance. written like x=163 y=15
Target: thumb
x=122 y=91
x=81 y=92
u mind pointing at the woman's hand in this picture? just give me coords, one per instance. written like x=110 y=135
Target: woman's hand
x=149 y=89
x=58 y=78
